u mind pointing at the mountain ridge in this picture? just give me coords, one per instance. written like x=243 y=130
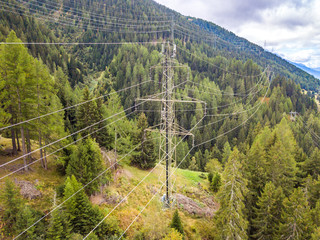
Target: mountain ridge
x=313 y=71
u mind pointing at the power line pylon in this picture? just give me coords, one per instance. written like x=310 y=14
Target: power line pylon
x=168 y=128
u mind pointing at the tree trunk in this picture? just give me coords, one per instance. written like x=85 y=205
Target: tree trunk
x=23 y=140
x=13 y=140
x=24 y=152
x=14 y=146
x=28 y=145
x=43 y=164
x=41 y=151
x=45 y=158
x=18 y=142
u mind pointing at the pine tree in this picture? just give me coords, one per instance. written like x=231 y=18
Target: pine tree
x=86 y=163
x=118 y=126
x=296 y=222
x=268 y=212
x=281 y=169
x=230 y=220
x=176 y=222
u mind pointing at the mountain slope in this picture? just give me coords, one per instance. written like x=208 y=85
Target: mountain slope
x=93 y=18
x=314 y=72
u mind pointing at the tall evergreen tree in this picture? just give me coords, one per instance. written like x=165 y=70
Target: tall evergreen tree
x=87 y=114
x=86 y=163
x=296 y=222
x=230 y=220
x=25 y=219
x=83 y=216
x=145 y=157
x=12 y=204
x=268 y=213
x=312 y=165
x=176 y=222
x=59 y=226
x=19 y=76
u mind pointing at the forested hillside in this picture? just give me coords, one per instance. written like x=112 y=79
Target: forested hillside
x=81 y=147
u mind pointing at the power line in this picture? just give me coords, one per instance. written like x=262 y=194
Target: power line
x=144 y=178
x=77 y=43
x=180 y=164
x=75 y=105
x=223 y=69
x=97 y=15
x=106 y=18
x=54 y=20
x=72 y=134
x=58 y=206
x=70 y=20
x=65 y=146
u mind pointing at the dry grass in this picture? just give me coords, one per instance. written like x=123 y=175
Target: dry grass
x=154 y=220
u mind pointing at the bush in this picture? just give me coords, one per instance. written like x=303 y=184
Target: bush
x=210 y=176
x=202 y=175
x=216 y=182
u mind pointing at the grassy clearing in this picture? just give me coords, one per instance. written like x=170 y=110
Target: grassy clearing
x=154 y=220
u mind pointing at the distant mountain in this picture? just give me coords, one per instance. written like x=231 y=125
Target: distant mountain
x=313 y=71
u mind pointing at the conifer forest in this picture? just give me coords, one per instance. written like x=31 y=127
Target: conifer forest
x=125 y=119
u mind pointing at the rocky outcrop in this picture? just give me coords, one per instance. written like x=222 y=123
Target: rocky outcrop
x=206 y=208
x=27 y=189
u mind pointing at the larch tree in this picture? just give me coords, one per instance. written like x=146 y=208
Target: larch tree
x=268 y=213
x=296 y=221
x=19 y=83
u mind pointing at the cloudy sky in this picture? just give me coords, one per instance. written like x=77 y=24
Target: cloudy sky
x=290 y=28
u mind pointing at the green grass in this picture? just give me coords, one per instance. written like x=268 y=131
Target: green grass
x=191 y=176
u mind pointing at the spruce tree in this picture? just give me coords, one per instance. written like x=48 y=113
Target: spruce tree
x=26 y=218
x=226 y=152
x=59 y=226
x=216 y=182
x=296 y=222
x=268 y=213
x=176 y=222
x=83 y=216
x=86 y=163
x=145 y=157
x=230 y=220
x=12 y=204
x=87 y=113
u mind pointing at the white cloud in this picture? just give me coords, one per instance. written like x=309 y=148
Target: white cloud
x=289 y=27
